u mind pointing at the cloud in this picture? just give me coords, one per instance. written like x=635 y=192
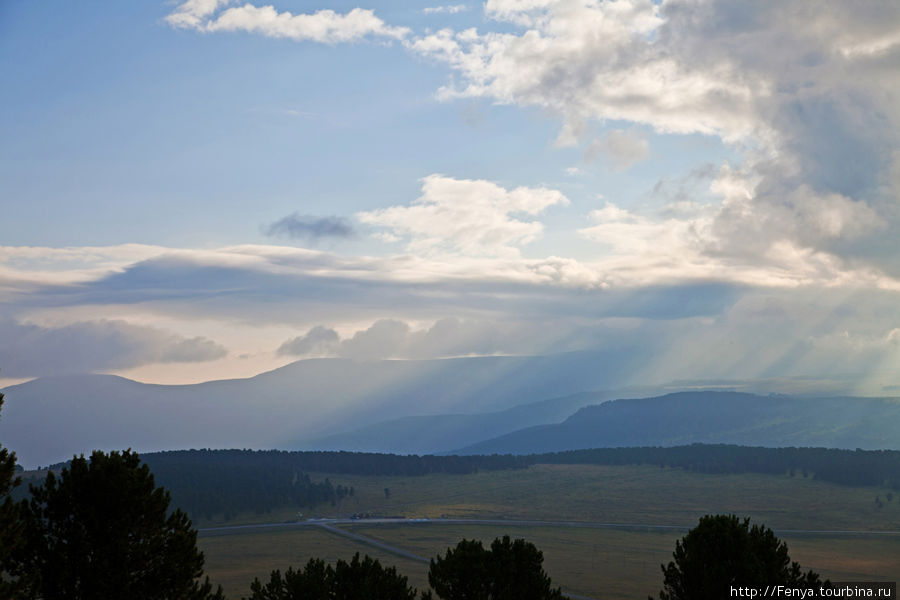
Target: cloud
x=621 y=148
x=34 y=350
x=471 y=217
x=804 y=93
x=631 y=235
x=446 y=8
x=311 y=228
x=653 y=290
x=386 y=338
x=318 y=341
x=593 y=61
x=191 y=13
x=447 y=337
x=734 y=333
x=324 y=26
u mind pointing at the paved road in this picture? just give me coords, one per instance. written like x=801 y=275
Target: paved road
x=522 y=523
x=372 y=542
x=330 y=525
x=400 y=551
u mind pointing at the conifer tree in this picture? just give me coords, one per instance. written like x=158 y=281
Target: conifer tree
x=360 y=579
x=103 y=529
x=11 y=536
x=722 y=551
x=510 y=570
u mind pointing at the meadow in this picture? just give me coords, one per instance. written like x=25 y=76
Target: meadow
x=596 y=562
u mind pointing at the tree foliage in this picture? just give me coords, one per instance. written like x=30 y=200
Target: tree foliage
x=510 y=570
x=102 y=529
x=359 y=579
x=723 y=551
x=208 y=483
x=846 y=467
x=11 y=531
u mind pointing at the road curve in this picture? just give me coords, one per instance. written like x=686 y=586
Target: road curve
x=401 y=552
x=330 y=525
x=518 y=522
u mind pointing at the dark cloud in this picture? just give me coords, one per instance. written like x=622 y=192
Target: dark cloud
x=311 y=228
x=31 y=350
x=317 y=341
x=186 y=286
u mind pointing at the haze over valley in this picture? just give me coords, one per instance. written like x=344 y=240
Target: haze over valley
x=353 y=273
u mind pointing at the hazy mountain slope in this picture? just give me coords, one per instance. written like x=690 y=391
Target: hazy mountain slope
x=429 y=434
x=49 y=419
x=713 y=417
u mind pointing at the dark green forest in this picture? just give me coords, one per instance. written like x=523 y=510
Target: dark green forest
x=845 y=467
x=226 y=482
x=207 y=483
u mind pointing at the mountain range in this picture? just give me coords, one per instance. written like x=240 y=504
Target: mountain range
x=48 y=419
x=463 y=405
x=713 y=417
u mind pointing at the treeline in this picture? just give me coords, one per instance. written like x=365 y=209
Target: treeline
x=214 y=483
x=345 y=463
x=846 y=467
x=207 y=483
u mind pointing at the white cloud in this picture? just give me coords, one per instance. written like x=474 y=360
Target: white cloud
x=191 y=14
x=646 y=248
x=324 y=26
x=445 y=8
x=471 y=217
x=595 y=61
x=806 y=92
x=621 y=149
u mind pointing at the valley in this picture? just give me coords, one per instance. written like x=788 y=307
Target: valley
x=836 y=530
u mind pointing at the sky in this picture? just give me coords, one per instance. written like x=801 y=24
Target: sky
x=209 y=189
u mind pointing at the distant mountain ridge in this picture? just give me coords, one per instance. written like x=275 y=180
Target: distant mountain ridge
x=479 y=404
x=47 y=420
x=429 y=434
x=713 y=418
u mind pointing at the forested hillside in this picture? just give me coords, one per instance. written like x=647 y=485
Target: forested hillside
x=206 y=483
x=217 y=482
x=710 y=417
x=223 y=483
x=846 y=467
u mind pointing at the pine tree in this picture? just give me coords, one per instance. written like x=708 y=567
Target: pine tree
x=102 y=529
x=510 y=570
x=11 y=531
x=723 y=551
x=364 y=579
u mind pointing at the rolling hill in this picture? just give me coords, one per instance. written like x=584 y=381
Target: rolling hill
x=428 y=434
x=713 y=418
x=50 y=419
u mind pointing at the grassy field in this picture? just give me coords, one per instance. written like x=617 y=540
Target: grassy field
x=607 y=563
x=602 y=563
x=233 y=560
x=614 y=494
